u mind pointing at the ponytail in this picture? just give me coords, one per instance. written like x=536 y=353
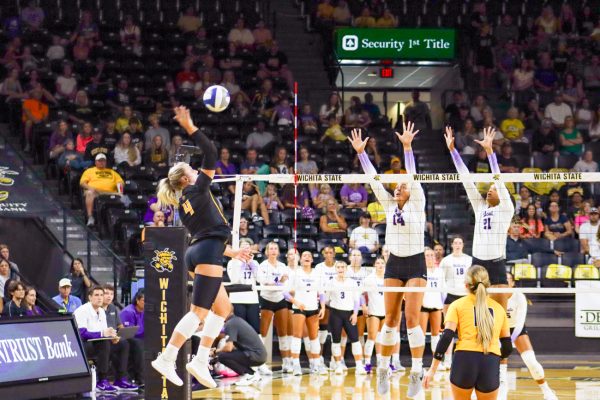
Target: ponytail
x=169 y=187
x=478 y=281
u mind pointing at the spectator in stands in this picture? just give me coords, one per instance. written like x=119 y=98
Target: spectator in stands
x=531 y=223
x=12 y=26
x=546 y=80
x=252 y=200
x=131 y=36
x=58 y=139
x=81 y=50
x=556 y=225
x=587 y=163
x=226 y=167
x=458 y=121
x=506 y=161
x=80 y=110
x=354 y=195
x=363 y=237
x=478 y=108
x=334 y=108
x=584 y=115
x=154 y=130
x=240 y=35
x=98 y=180
x=387 y=20
x=208 y=65
x=506 y=62
x=260 y=139
x=32 y=16
x=466 y=136
x=548 y=21
x=250 y=165
x=187 y=78
x=352 y=113
x=84 y=137
x=262 y=35
x=488 y=122
x=247 y=234
x=533 y=115
x=332 y=224
x=395 y=168
x=80 y=282
x=157 y=156
x=35 y=112
x=240 y=106
x=280 y=164
x=16 y=306
x=322 y=196
x=66 y=301
x=271 y=198
x=342 y=14
x=189 y=22
x=482 y=58
x=96 y=146
x=572 y=89
x=265 y=99
x=571 y=140
x=122 y=122
x=558 y=111
x=512 y=127
x=561 y=58
x=575 y=205
x=70 y=159
x=371 y=107
x=334 y=131
x=594 y=129
x=126 y=153
x=28 y=61
x=365 y=20
x=274 y=64
x=87 y=29
x=308 y=121
x=377 y=212
x=586 y=20
x=506 y=31
x=583 y=216
x=282 y=114
x=137 y=133
x=5 y=276
x=228 y=82
x=176 y=153
x=11 y=86
x=523 y=200
x=120 y=99
x=153 y=207
x=372 y=152
x=545 y=140
x=516 y=249
x=66 y=84
x=306 y=165
x=418 y=112
x=12 y=54
x=588 y=238
x=325 y=11
x=5 y=255
x=133 y=315
x=567 y=23
x=591 y=72
x=523 y=82
x=480 y=164
x=30 y=300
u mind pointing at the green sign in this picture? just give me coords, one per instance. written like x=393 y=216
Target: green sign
x=395 y=44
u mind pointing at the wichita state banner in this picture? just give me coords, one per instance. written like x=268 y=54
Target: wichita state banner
x=21 y=193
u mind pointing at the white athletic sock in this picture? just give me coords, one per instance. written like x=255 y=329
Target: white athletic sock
x=503 y=368
x=296 y=361
x=545 y=388
x=379 y=360
x=203 y=353
x=170 y=353
x=369 y=346
x=417 y=365
x=395 y=358
x=359 y=364
x=385 y=362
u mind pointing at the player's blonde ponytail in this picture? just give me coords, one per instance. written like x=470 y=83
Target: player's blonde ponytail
x=478 y=281
x=168 y=188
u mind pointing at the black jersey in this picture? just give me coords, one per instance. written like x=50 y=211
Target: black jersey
x=200 y=212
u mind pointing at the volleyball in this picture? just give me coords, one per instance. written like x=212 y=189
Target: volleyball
x=216 y=98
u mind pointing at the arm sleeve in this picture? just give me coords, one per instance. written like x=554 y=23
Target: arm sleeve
x=520 y=316
x=472 y=193
x=87 y=335
x=382 y=195
x=209 y=150
x=416 y=190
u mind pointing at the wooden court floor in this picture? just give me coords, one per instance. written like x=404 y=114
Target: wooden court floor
x=580 y=383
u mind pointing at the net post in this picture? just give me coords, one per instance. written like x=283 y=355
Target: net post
x=295 y=227
x=237 y=213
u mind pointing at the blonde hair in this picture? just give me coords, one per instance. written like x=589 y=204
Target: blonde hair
x=169 y=187
x=478 y=281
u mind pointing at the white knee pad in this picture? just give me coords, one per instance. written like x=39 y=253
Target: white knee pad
x=344 y=340
x=336 y=349
x=315 y=347
x=356 y=349
x=188 y=325
x=322 y=337
x=416 y=337
x=535 y=368
x=284 y=343
x=306 y=342
x=369 y=345
x=387 y=336
x=213 y=325
x=296 y=345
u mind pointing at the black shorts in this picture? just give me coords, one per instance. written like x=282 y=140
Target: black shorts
x=380 y=317
x=429 y=310
x=523 y=331
x=359 y=313
x=451 y=298
x=496 y=269
x=406 y=268
x=272 y=306
x=473 y=369
x=205 y=251
x=306 y=313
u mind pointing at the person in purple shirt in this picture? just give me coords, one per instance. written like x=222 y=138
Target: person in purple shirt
x=225 y=167
x=58 y=139
x=354 y=195
x=153 y=207
x=30 y=299
x=250 y=165
x=133 y=315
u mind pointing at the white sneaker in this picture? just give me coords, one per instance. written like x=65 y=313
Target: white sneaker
x=265 y=370
x=167 y=369
x=288 y=368
x=296 y=370
x=322 y=361
x=338 y=369
x=248 y=380
x=91 y=221
x=360 y=371
x=200 y=371
x=383 y=380
x=322 y=369
x=343 y=362
x=397 y=367
x=550 y=395
x=414 y=383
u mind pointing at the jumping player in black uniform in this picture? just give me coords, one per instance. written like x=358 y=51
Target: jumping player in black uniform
x=204 y=219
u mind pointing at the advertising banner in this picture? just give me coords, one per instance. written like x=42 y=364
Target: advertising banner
x=587 y=310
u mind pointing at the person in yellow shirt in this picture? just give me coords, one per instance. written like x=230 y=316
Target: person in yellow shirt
x=365 y=20
x=99 y=180
x=387 y=20
x=395 y=168
x=334 y=132
x=483 y=340
x=377 y=212
x=512 y=127
x=325 y=10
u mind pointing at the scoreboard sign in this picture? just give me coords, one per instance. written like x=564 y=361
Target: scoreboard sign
x=395 y=44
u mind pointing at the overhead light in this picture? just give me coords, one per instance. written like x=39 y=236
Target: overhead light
x=362 y=83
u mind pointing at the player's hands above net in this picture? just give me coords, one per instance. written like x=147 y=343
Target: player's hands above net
x=357 y=142
x=488 y=139
x=408 y=134
x=449 y=135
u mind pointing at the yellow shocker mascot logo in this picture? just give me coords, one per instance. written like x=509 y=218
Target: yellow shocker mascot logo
x=163 y=260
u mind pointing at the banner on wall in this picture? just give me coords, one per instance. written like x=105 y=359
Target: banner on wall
x=587 y=310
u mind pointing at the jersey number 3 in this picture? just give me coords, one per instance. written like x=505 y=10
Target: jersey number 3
x=187 y=208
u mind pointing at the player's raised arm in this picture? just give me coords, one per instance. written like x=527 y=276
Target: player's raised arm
x=472 y=191
x=209 y=150
x=406 y=138
x=359 y=145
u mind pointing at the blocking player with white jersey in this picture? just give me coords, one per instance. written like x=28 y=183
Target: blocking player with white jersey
x=433 y=302
x=493 y=215
x=376 y=310
x=455 y=266
x=272 y=272
x=405 y=224
x=308 y=305
x=326 y=269
x=344 y=305
x=517 y=313
x=358 y=274
x=245 y=303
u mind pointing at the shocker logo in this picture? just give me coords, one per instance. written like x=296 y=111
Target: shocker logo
x=6 y=181
x=163 y=260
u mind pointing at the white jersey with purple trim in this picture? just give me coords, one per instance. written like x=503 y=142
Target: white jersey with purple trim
x=269 y=275
x=376 y=304
x=306 y=288
x=358 y=276
x=516 y=310
x=338 y=297
x=455 y=270
x=435 y=279
x=327 y=273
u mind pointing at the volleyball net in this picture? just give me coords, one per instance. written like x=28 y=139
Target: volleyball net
x=549 y=263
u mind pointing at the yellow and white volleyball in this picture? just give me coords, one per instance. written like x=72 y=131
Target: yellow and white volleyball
x=216 y=98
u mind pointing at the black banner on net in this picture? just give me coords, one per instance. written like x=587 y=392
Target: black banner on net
x=166 y=302
x=21 y=193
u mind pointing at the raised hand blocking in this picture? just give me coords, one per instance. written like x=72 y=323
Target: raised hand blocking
x=357 y=142
x=408 y=134
x=449 y=136
x=488 y=139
